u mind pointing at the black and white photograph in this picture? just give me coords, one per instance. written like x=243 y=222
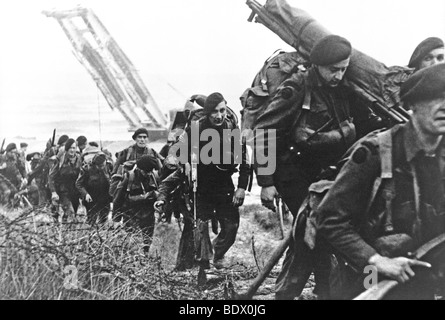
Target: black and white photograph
x=219 y=155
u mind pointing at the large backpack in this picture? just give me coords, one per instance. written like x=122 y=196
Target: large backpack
x=276 y=69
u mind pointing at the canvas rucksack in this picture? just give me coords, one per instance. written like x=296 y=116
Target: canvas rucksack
x=277 y=68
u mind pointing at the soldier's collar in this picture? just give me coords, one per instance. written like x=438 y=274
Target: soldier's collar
x=413 y=145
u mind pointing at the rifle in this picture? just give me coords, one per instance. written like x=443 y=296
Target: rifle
x=279 y=204
x=3 y=144
x=379 y=291
x=53 y=139
x=194 y=178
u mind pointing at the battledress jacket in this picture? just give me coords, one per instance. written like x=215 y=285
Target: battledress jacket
x=217 y=178
x=352 y=229
x=323 y=105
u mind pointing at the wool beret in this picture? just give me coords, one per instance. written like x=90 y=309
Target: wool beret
x=69 y=143
x=212 y=101
x=81 y=140
x=329 y=50
x=62 y=139
x=23 y=144
x=30 y=156
x=147 y=163
x=138 y=132
x=11 y=147
x=99 y=158
x=426 y=84
x=425 y=47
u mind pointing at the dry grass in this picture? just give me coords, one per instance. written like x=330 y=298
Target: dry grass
x=44 y=260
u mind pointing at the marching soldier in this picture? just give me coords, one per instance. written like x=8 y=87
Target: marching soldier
x=62 y=179
x=138 y=192
x=428 y=53
x=317 y=118
x=93 y=184
x=359 y=217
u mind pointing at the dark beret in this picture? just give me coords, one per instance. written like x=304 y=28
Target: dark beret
x=426 y=84
x=329 y=50
x=94 y=144
x=62 y=139
x=147 y=163
x=23 y=144
x=99 y=158
x=212 y=101
x=31 y=155
x=425 y=47
x=69 y=143
x=11 y=147
x=138 y=132
x=81 y=140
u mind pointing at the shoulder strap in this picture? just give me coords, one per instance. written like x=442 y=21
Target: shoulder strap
x=263 y=72
x=385 y=149
x=129 y=153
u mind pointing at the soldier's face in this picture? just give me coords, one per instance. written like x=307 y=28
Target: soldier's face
x=141 y=140
x=434 y=57
x=218 y=115
x=72 y=150
x=332 y=74
x=430 y=116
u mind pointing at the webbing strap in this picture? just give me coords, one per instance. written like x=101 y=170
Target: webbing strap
x=385 y=149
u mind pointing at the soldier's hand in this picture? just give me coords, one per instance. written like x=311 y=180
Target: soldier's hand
x=268 y=195
x=158 y=206
x=88 y=198
x=238 y=197
x=396 y=268
x=54 y=196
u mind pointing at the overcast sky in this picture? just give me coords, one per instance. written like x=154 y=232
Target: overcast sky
x=197 y=46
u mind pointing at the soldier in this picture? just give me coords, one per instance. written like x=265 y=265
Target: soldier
x=359 y=219
x=137 y=150
x=13 y=176
x=131 y=155
x=137 y=192
x=93 y=184
x=312 y=113
x=216 y=194
x=40 y=172
x=81 y=143
x=428 y=53
x=22 y=154
x=62 y=179
x=175 y=190
x=41 y=178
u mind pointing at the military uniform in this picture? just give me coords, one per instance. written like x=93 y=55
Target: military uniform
x=140 y=193
x=352 y=222
x=134 y=153
x=175 y=189
x=95 y=181
x=62 y=179
x=306 y=115
x=215 y=196
x=12 y=175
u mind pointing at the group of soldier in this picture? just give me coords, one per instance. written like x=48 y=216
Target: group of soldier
x=319 y=122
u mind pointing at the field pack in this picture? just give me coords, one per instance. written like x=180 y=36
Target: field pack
x=276 y=69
